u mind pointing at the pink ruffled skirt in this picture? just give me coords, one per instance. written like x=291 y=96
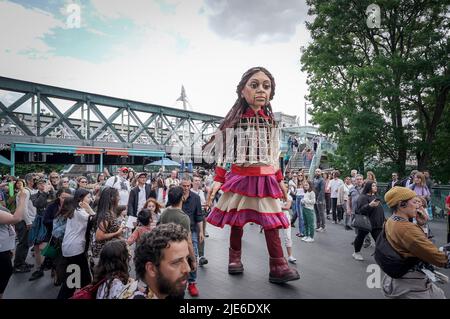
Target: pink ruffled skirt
x=249 y=199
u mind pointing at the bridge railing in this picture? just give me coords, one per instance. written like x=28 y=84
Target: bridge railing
x=438 y=195
x=37 y=113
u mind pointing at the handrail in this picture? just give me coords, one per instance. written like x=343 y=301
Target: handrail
x=316 y=159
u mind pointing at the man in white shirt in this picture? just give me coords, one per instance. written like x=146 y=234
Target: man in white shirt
x=120 y=183
x=335 y=184
x=173 y=179
x=139 y=195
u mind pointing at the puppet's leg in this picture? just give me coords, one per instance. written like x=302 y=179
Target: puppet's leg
x=235 y=265
x=279 y=269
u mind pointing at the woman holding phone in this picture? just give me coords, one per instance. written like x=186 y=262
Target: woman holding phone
x=370 y=205
x=74 y=241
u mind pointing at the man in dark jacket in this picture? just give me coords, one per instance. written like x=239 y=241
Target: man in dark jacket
x=319 y=208
x=139 y=195
x=193 y=208
x=394 y=182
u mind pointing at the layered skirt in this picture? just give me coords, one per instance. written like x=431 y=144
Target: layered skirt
x=249 y=199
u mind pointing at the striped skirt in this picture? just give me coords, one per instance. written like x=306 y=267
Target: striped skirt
x=249 y=199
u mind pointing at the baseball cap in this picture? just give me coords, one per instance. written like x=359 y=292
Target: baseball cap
x=140 y=174
x=123 y=169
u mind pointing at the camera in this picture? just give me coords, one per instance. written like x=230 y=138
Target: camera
x=35 y=182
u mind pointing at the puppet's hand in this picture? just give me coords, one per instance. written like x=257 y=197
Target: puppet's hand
x=212 y=193
x=284 y=189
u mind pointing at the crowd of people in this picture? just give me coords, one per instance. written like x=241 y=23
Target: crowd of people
x=66 y=224
x=84 y=223
x=95 y=227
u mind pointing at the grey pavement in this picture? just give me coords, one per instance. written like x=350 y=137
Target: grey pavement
x=326 y=267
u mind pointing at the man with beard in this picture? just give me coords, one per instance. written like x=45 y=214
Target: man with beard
x=162 y=263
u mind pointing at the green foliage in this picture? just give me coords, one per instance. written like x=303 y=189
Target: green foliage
x=381 y=94
x=23 y=169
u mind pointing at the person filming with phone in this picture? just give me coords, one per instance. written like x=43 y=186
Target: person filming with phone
x=413 y=276
x=368 y=204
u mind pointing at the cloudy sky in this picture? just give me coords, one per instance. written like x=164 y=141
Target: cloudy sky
x=146 y=49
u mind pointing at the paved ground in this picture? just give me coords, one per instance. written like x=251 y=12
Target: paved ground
x=326 y=267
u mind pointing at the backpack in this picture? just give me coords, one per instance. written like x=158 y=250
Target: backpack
x=389 y=260
x=88 y=292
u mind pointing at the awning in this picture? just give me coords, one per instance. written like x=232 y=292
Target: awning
x=116 y=151
x=44 y=148
x=134 y=152
x=148 y=153
x=53 y=148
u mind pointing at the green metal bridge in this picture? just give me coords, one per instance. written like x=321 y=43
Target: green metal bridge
x=38 y=118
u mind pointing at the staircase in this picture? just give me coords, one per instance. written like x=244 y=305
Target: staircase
x=296 y=160
x=78 y=169
x=315 y=163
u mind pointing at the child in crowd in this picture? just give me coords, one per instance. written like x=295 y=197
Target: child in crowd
x=285 y=206
x=145 y=225
x=308 y=202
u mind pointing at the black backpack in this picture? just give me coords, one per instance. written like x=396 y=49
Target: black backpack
x=389 y=260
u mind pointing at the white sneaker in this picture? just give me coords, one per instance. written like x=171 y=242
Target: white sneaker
x=309 y=240
x=292 y=259
x=357 y=256
x=305 y=238
x=320 y=229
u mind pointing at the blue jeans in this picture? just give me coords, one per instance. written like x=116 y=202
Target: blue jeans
x=193 y=274
x=298 y=208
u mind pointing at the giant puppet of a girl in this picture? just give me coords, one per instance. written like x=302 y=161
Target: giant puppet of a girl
x=248 y=140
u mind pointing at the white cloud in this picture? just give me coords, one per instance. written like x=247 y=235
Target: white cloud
x=22 y=29
x=210 y=67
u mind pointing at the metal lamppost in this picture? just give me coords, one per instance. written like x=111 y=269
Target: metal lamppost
x=306 y=109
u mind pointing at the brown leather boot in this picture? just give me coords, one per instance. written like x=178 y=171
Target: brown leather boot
x=235 y=265
x=280 y=271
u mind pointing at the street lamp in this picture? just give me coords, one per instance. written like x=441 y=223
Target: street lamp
x=306 y=108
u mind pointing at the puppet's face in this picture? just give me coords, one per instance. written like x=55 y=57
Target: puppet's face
x=257 y=90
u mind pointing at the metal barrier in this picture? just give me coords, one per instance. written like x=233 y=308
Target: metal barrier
x=438 y=195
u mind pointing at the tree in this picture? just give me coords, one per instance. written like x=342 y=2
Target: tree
x=23 y=169
x=380 y=93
